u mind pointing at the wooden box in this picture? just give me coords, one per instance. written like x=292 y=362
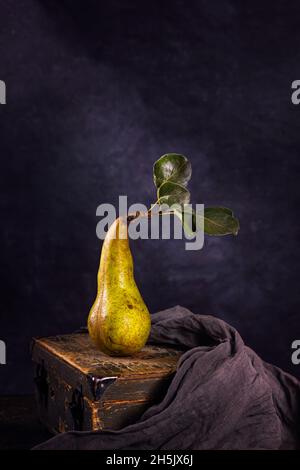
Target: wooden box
x=80 y=388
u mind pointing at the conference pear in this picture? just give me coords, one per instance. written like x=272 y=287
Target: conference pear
x=119 y=322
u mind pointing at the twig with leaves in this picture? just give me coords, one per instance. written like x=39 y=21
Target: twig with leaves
x=171 y=174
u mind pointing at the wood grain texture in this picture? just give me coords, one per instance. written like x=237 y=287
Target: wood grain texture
x=78 y=351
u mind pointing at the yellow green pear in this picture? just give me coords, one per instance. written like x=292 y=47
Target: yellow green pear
x=119 y=322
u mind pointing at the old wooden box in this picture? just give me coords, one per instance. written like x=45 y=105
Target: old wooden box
x=80 y=388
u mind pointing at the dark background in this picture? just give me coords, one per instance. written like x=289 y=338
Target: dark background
x=96 y=92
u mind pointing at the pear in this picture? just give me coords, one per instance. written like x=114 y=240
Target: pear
x=119 y=322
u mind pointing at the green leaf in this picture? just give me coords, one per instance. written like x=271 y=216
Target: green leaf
x=191 y=221
x=171 y=174
x=220 y=221
x=172 y=193
x=172 y=167
x=216 y=221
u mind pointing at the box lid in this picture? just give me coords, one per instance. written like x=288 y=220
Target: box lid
x=76 y=357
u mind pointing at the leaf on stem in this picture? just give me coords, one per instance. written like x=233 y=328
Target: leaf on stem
x=171 y=174
x=220 y=221
x=173 y=193
x=172 y=167
x=216 y=221
x=191 y=221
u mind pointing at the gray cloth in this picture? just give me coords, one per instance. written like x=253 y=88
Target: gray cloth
x=223 y=396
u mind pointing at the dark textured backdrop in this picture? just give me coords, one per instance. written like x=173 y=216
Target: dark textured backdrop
x=96 y=91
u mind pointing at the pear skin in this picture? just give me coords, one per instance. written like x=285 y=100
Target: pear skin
x=119 y=322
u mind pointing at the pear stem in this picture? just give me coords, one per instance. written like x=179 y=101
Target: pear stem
x=148 y=214
x=135 y=216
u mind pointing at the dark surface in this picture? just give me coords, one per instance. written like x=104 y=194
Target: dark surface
x=96 y=91
x=223 y=396
x=19 y=425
